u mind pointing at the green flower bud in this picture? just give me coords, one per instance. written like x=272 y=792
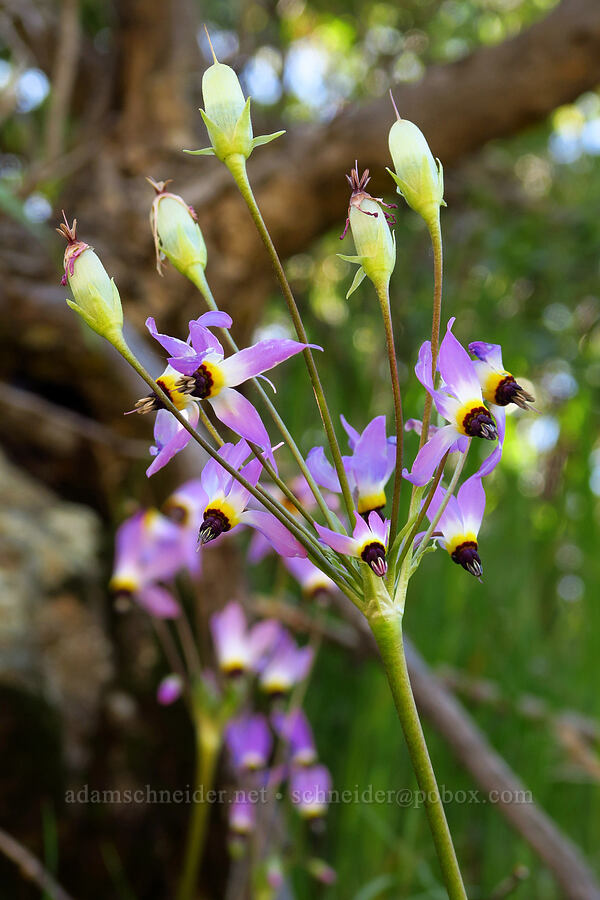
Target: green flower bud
x=96 y=296
x=226 y=115
x=176 y=232
x=419 y=177
x=375 y=244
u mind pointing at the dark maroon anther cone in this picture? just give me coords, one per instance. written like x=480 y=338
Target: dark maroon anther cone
x=213 y=525
x=374 y=555
x=479 y=423
x=508 y=391
x=466 y=555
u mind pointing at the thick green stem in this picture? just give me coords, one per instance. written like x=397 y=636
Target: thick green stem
x=384 y=301
x=208 y=745
x=197 y=277
x=387 y=630
x=237 y=166
x=435 y=232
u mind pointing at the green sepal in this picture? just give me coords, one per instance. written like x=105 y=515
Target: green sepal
x=265 y=139
x=207 y=151
x=358 y=278
x=351 y=259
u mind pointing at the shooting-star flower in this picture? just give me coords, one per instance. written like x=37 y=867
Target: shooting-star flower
x=368 y=542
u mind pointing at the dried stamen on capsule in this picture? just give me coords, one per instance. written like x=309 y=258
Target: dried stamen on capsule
x=214 y=524
x=466 y=555
x=479 y=423
x=374 y=555
x=358 y=185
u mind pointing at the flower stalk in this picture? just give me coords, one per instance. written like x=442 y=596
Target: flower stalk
x=237 y=166
x=435 y=232
x=386 y=625
x=384 y=302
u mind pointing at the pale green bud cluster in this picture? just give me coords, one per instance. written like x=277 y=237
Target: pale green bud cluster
x=179 y=236
x=419 y=177
x=226 y=115
x=375 y=245
x=96 y=296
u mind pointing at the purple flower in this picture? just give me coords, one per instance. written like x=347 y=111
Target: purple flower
x=287 y=665
x=294 y=728
x=460 y=523
x=242 y=813
x=310 y=790
x=309 y=577
x=169 y=689
x=498 y=386
x=226 y=501
x=368 y=469
x=149 y=549
x=368 y=542
x=169 y=435
x=205 y=373
x=249 y=741
x=237 y=647
x=459 y=401
x=186 y=507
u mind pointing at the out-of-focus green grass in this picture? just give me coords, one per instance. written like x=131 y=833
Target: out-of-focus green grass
x=521 y=241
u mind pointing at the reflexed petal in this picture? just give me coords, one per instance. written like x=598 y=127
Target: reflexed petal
x=169 y=689
x=157 y=601
x=488 y=353
x=457 y=369
x=228 y=630
x=379 y=527
x=170 y=437
x=235 y=411
x=353 y=434
x=283 y=540
x=310 y=790
x=361 y=530
x=338 y=542
x=295 y=729
x=187 y=365
x=471 y=500
x=423 y=366
x=204 y=340
x=370 y=462
x=172 y=345
x=215 y=318
x=430 y=455
x=450 y=522
x=260 y=358
x=321 y=469
x=490 y=462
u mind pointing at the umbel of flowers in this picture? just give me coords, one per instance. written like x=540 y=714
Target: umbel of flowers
x=336 y=520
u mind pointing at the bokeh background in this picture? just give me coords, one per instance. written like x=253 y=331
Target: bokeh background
x=94 y=96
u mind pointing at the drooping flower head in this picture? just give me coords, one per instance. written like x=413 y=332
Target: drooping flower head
x=286 y=666
x=310 y=790
x=240 y=648
x=459 y=400
x=242 y=813
x=149 y=549
x=368 y=542
x=205 y=374
x=294 y=728
x=249 y=741
x=226 y=501
x=368 y=469
x=460 y=523
x=499 y=387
